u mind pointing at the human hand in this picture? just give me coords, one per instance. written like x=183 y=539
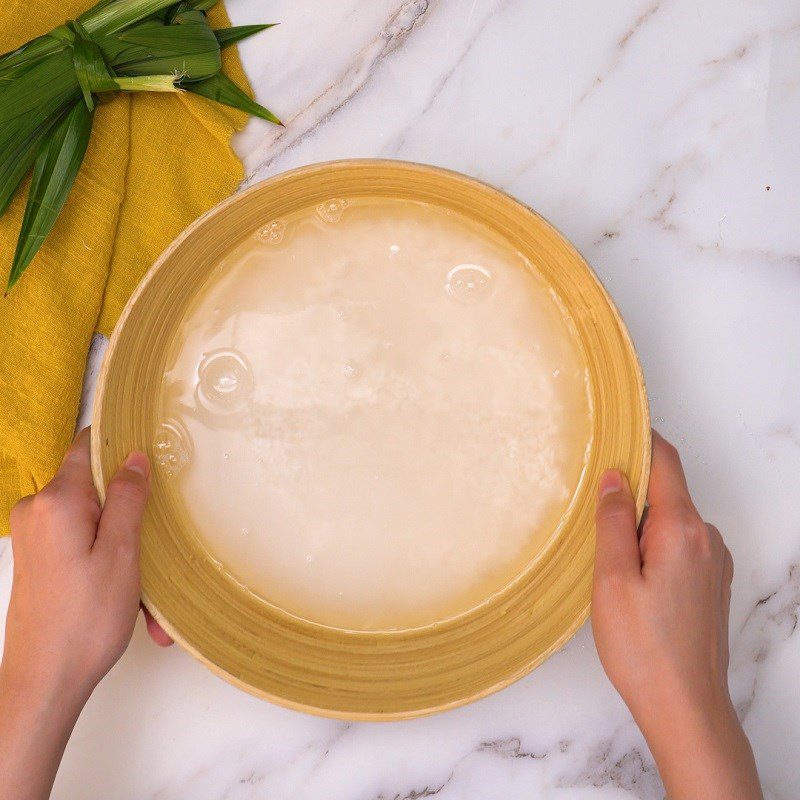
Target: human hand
x=74 y=600
x=660 y=607
x=75 y=589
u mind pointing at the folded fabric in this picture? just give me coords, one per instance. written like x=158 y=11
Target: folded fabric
x=154 y=163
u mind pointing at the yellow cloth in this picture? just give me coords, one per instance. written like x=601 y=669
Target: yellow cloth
x=154 y=163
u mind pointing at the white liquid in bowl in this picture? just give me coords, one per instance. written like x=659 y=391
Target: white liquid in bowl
x=375 y=413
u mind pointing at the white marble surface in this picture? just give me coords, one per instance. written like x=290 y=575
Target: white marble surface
x=662 y=138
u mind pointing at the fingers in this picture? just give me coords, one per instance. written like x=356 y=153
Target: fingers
x=725 y=558
x=157 y=633
x=72 y=490
x=126 y=497
x=75 y=472
x=66 y=511
x=727 y=572
x=617 y=548
x=667 y=481
x=725 y=601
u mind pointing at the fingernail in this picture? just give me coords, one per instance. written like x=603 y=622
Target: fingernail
x=610 y=481
x=137 y=462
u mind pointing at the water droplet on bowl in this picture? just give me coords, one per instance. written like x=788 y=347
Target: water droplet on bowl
x=224 y=381
x=394 y=249
x=331 y=210
x=272 y=232
x=172 y=449
x=351 y=370
x=469 y=283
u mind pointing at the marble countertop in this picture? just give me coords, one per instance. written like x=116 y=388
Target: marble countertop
x=661 y=136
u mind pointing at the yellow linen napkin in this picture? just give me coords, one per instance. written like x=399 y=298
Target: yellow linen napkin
x=154 y=163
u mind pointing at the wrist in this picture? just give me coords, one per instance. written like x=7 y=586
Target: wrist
x=37 y=721
x=699 y=745
x=35 y=687
x=671 y=702
x=688 y=716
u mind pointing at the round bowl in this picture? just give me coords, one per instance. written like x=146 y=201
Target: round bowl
x=338 y=673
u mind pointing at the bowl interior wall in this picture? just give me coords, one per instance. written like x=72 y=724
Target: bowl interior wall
x=349 y=674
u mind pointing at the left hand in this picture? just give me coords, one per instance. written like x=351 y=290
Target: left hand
x=75 y=589
x=73 y=606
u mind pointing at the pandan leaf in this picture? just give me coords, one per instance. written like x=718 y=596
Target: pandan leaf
x=15 y=62
x=147 y=83
x=228 y=36
x=16 y=160
x=90 y=67
x=199 y=5
x=49 y=85
x=223 y=90
x=42 y=92
x=113 y=17
x=187 y=48
x=186 y=5
x=54 y=172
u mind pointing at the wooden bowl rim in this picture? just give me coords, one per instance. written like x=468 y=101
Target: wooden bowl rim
x=96 y=462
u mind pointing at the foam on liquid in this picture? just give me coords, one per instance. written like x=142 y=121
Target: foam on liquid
x=375 y=414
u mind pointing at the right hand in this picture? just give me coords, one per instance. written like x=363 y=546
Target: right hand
x=661 y=602
x=660 y=607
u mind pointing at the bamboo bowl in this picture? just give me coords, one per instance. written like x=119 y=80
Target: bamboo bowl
x=338 y=673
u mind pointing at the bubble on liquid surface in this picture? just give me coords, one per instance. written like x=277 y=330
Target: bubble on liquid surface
x=351 y=370
x=469 y=283
x=272 y=232
x=172 y=449
x=224 y=381
x=331 y=210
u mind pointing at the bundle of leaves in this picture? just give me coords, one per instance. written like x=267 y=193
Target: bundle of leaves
x=49 y=85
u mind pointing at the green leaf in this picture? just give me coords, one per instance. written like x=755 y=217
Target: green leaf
x=188 y=5
x=13 y=63
x=54 y=172
x=147 y=83
x=228 y=36
x=44 y=90
x=187 y=48
x=16 y=160
x=90 y=67
x=200 y=5
x=223 y=90
x=112 y=17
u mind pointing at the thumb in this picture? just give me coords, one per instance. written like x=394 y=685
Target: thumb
x=617 y=543
x=126 y=497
